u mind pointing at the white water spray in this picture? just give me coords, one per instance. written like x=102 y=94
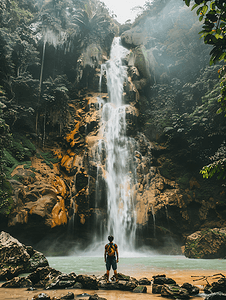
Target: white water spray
x=119 y=166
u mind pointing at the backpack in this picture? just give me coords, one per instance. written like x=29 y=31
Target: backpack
x=111 y=249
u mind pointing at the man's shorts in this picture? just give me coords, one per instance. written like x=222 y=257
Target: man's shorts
x=111 y=261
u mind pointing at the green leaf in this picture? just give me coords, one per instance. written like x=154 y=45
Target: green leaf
x=194 y=6
x=204 y=9
x=198 y=10
x=211 y=61
x=187 y=2
x=212 y=5
x=219 y=111
x=218 y=31
x=218 y=36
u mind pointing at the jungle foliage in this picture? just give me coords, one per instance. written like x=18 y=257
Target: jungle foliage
x=213 y=16
x=5 y=141
x=40 y=45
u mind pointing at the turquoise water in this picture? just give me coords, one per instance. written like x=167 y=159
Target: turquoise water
x=132 y=265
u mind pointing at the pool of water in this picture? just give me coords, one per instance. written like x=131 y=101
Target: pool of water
x=132 y=265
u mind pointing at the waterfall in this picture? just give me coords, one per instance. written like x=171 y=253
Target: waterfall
x=153 y=216
x=119 y=165
x=42 y=64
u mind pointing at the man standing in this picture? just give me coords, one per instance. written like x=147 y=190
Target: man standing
x=109 y=256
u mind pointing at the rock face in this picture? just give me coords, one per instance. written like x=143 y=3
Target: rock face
x=206 y=244
x=16 y=258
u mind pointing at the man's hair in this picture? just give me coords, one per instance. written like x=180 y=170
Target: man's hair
x=110 y=238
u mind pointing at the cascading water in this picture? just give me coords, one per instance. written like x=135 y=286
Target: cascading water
x=119 y=166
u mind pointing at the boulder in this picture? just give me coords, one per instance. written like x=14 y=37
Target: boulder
x=88 y=282
x=43 y=277
x=192 y=290
x=18 y=282
x=62 y=281
x=126 y=285
x=104 y=285
x=77 y=285
x=36 y=260
x=96 y=297
x=206 y=244
x=156 y=288
x=41 y=296
x=16 y=258
x=82 y=296
x=218 y=286
x=122 y=277
x=162 y=279
x=216 y=296
x=159 y=281
x=174 y=291
x=144 y=281
x=68 y=296
x=140 y=289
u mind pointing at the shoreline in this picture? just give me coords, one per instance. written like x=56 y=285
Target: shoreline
x=180 y=276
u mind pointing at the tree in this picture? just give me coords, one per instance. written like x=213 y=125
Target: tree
x=5 y=140
x=213 y=16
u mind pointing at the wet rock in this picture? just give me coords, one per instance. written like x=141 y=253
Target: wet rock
x=68 y=296
x=219 y=286
x=42 y=277
x=107 y=286
x=205 y=244
x=31 y=289
x=16 y=258
x=41 y=296
x=122 y=277
x=144 y=281
x=77 y=285
x=83 y=295
x=162 y=279
x=156 y=288
x=174 y=291
x=207 y=289
x=192 y=290
x=96 y=297
x=62 y=281
x=216 y=296
x=10 y=272
x=37 y=259
x=88 y=282
x=140 y=289
x=18 y=282
x=126 y=285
